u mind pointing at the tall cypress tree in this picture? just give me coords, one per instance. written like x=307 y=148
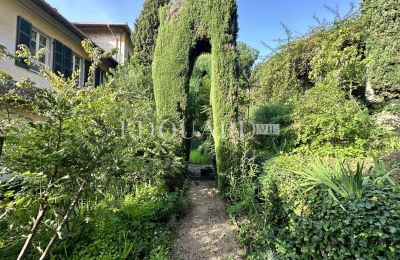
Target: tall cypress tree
x=382 y=19
x=146 y=30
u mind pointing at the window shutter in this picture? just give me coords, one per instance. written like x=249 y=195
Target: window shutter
x=62 y=56
x=86 y=75
x=67 y=62
x=24 y=32
x=97 y=77
x=58 y=53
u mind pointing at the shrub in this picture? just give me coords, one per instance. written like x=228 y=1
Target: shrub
x=325 y=117
x=298 y=224
x=197 y=157
x=132 y=226
x=273 y=113
x=207 y=148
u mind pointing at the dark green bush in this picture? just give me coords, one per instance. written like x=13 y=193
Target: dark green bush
x=273 y=113
x=299 y=224
x=383 y=28
x=326 y=119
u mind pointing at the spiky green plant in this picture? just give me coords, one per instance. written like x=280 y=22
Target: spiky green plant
x=340 y=180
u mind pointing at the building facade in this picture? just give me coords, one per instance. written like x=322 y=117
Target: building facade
x=38 y=25
x=109 y=36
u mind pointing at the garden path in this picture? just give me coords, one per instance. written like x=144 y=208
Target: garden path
x=205 y=232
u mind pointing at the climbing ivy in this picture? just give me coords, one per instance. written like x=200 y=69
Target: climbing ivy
x=382 y=20
x=335 y=52
x=284 y=75
x=187 y=29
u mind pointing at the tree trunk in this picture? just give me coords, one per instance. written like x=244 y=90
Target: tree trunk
x=35 y=226
x=64 y=221
x=1 y=145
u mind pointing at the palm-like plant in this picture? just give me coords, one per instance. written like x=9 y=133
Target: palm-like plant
x=340 y=179
x=343 y=181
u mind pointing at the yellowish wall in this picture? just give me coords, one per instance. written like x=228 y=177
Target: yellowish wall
x=9 y=11
x=127 y=45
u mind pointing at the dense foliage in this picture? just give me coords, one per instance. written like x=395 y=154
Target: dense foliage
x=91 y=180
x=189 y=28
x=144 y=36
x=280 y=217
x=292 y=196
x=382 y=23
x=86 y=183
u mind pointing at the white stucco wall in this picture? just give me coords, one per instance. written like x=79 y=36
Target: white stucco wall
x=117 y=39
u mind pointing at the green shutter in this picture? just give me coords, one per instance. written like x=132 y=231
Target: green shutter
x=87 y=67
x=58 y=54
x=67 y=62
x=24 y=32
x=97 y=77
x=62 y=59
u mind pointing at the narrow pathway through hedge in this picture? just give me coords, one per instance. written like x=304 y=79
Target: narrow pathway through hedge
x=205 y=232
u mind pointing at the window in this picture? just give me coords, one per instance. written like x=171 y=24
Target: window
x=63 y=59
x=38 y=41
x=31 y=38
x=77 y=64
x=100 y=77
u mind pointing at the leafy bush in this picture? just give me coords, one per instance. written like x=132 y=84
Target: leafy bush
x=284 y=76
x=273 y=113
x=197 y=157
x=207 y=148
x=326 y=118
x=296 y=223
x=340 y=57
x=132 y=226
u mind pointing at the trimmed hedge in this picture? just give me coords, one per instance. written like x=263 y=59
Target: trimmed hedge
x=146 y=30
x=382 y=20
x=187 y=29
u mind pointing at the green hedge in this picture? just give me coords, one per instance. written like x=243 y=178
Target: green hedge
x=187 y=29
x=382 y=20
x=145 y=34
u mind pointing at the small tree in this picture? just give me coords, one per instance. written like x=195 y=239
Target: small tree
x=61 y=151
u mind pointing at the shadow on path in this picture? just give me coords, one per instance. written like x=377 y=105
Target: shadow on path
x=205 y=232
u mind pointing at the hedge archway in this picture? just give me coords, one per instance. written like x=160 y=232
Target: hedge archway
x=187 y=29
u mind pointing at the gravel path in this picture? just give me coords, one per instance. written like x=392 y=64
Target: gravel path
x=205 y=232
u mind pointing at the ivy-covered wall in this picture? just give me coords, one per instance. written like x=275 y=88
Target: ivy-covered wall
x=382 y=21
x=187 y=29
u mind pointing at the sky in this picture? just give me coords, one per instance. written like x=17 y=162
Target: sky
x=260 y=21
